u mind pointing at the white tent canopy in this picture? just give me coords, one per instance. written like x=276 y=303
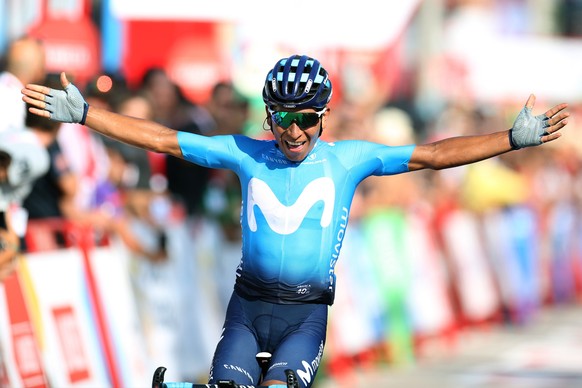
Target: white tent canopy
x=365 y=24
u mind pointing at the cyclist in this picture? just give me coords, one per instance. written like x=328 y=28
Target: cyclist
x=297 y=190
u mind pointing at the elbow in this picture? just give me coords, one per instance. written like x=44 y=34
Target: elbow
x=164 y=142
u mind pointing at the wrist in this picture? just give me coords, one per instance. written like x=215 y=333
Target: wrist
x=85 y=110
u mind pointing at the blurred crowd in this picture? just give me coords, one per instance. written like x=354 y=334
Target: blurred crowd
x=160 y=209
x=425 y=254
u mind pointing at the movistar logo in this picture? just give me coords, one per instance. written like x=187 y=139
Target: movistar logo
x=309 y=369
x=284 y=219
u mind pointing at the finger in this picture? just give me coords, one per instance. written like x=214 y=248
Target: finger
x=32 y=97
x=64 y=81
x=558 y=126
x=5 y=273
x=551 y=137
x=36 y=88
x=556 y=119
x=555 y=128
x=40 y=112
x=34 y=104
x=556 y=109
x=7 y=269
x=530 y=102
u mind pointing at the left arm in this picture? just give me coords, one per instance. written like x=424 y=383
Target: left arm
x=527 y=131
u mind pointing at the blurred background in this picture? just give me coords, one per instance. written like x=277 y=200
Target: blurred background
x=130 y=256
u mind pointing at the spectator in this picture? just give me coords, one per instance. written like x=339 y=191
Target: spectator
x=53 y=195
x=86 y=153
x=131 y=174
x=25 y=63
x=22 y=160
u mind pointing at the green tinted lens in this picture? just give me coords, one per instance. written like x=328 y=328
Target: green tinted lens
x=303 y=120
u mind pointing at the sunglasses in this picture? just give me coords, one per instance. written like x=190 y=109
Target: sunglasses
x=302 y=119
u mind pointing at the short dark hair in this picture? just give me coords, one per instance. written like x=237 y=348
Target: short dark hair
x=5 y=159
x=52 y=80
x=40 y=123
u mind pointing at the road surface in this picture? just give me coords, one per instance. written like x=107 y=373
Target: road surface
x=544 y=353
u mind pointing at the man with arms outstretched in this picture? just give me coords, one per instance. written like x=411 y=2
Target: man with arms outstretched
x=297 y=191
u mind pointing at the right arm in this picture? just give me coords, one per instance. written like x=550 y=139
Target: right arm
x=67 y=106
x=141 y=133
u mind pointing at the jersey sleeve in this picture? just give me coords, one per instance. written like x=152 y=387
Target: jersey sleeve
x=393 y=159
x=211 y=151
x=365 y=158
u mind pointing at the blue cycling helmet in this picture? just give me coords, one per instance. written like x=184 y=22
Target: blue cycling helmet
x=297 y=82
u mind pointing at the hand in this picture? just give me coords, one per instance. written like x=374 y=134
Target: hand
x=529 y=130
x=67 y=106
x=8 y=253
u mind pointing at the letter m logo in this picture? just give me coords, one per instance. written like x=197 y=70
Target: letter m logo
x=286 y=219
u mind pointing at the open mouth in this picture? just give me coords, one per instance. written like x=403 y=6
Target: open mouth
x=294 y=145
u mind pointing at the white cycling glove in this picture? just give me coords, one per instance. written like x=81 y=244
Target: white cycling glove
x=67 y=106
x=527 y=129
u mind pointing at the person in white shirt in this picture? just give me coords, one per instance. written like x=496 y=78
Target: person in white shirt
x=25 y=63
x=23 y=159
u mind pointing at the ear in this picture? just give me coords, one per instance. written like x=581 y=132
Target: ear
x=324 y=118
x=267 y=123
x=268 y=119
x=323 y=124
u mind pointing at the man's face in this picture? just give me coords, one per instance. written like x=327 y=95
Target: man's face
x=297 y=131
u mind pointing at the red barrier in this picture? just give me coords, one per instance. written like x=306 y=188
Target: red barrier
x=54 y=234
x=30 y=367
x=86 y=243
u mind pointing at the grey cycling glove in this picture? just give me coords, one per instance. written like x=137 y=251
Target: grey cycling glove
x=527 y=129
x=67 y=106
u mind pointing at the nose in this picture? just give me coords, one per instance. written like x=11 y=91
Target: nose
x=294 y=129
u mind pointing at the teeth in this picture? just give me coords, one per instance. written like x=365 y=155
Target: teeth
x=293 y=143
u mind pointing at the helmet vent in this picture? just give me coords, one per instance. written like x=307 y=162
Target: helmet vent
x=297 y=82
x=308 y=86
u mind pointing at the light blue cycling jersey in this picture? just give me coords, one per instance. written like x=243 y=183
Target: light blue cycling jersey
x=294 y=214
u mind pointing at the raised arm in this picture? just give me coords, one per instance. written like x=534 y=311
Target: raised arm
x=68 y=106
x=527 y=131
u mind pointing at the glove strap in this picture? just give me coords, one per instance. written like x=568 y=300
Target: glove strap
x=86 y=109
x=513 y=145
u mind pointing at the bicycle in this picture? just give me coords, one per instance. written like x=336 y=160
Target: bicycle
x=263 y=359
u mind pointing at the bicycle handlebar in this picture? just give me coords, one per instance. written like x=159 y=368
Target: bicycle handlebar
x=226 y=384
x=158 y=382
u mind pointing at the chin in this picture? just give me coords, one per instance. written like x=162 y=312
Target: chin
x=296 y=158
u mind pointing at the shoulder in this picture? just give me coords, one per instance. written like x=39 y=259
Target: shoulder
x=349 y=146
x=12 y=141
x=30 y=159
x=9 y=81
x=251 y=142
x=241 y=142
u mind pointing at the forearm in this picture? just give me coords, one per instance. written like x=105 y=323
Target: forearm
x=458 y=151
x=140 y=133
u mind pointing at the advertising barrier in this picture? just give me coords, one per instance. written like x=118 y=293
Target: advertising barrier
x=66 y=318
